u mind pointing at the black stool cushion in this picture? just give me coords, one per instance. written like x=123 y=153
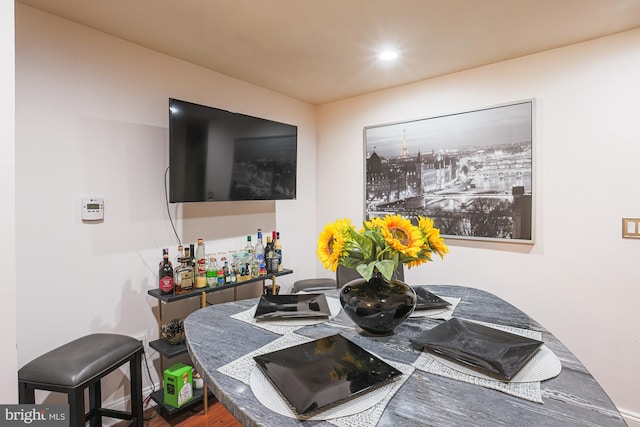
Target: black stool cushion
x=80 y=360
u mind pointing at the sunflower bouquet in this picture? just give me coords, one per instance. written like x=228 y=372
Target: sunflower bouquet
x=381 y=245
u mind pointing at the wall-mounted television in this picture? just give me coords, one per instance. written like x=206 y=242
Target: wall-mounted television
x=218 y=155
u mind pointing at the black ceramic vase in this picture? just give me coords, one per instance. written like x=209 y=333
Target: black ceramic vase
x=377 y=306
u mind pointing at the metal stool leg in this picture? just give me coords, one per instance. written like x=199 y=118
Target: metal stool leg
x=95 y=404
x=26 y=394
x=135 y=371
x=76 y=407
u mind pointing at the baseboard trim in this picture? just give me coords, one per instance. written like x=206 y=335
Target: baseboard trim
x=631 y=418
x=121 y=404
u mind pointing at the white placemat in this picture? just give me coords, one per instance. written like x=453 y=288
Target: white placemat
x=363 y=411
x=286 y=326
x=544 y=365
x=445 y=313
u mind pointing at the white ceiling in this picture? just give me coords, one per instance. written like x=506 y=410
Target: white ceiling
x=325 y=50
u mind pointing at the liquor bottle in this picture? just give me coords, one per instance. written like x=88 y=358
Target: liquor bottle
x=268 y=255
x=201 y=266
x=249 y=247
x=183 y=276
x=187 y=253
x=271 y=257
x=164 y=251
x=166 y=275
x=233 y=276
x=278 y=248
x=227 y=272
x=180 y=254
x=220 y=277
x=259 y=254
x=212 y=272
x=192 y=253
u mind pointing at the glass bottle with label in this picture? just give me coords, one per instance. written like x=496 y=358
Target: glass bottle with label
x=220 y=277
x=200 y=271
x=166 y=282
x=249 y=247
x=259 y=254
x=212 y=272
x=183 y=276
x=180 y=254
x=225 y=271
x=192 y=254
x=271 y=257
x=278 y=248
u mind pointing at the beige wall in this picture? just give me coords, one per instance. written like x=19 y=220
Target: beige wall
x=580 y=279
x=8 y=367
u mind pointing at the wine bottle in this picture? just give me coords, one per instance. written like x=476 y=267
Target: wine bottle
x=166 y=275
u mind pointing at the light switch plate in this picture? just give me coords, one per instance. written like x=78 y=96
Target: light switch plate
x=631 y=228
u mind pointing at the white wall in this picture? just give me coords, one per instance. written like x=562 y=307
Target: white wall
x=92 y=119
x=580 y=279
x=8 y=367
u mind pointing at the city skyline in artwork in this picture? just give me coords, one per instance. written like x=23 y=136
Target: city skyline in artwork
x=470 y=172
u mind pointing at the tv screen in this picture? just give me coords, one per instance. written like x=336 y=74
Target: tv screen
x=218 y=155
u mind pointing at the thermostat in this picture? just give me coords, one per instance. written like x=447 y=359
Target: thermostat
x=92 y=209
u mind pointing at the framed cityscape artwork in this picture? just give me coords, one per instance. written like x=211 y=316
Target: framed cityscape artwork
x=471 y=172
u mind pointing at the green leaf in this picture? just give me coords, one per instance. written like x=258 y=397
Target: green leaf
x=376 y=238
x=386 y=267
x=366 y=270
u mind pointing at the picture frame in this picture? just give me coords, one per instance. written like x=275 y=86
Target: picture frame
x=471 y=172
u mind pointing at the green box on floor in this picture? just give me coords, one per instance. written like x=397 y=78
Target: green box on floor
x=178 y=388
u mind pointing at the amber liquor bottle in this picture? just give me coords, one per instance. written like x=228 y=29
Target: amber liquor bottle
x=166 y=275
x=184 y=276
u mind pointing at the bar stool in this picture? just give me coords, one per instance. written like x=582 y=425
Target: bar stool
x=79 y=364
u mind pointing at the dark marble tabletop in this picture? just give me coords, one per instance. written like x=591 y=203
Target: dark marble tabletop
x=572 y=398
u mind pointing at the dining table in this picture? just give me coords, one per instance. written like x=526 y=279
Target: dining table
x=222 y=340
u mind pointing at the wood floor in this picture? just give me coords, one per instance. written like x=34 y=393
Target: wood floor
x=217 y=416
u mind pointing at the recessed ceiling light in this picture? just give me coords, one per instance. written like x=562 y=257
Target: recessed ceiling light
x=388 y=55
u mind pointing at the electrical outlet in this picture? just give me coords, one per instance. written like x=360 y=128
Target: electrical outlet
x=142 y=336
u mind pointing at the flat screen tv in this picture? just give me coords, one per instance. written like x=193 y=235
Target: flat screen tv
x=218 y=155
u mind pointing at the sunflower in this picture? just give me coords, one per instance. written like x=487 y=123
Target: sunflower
x=380 y=245
x=401 y=235
x=431 y=236
x=437 y=243
x=331 y=243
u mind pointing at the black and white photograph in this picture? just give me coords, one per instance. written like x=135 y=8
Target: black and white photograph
x=470 y=172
